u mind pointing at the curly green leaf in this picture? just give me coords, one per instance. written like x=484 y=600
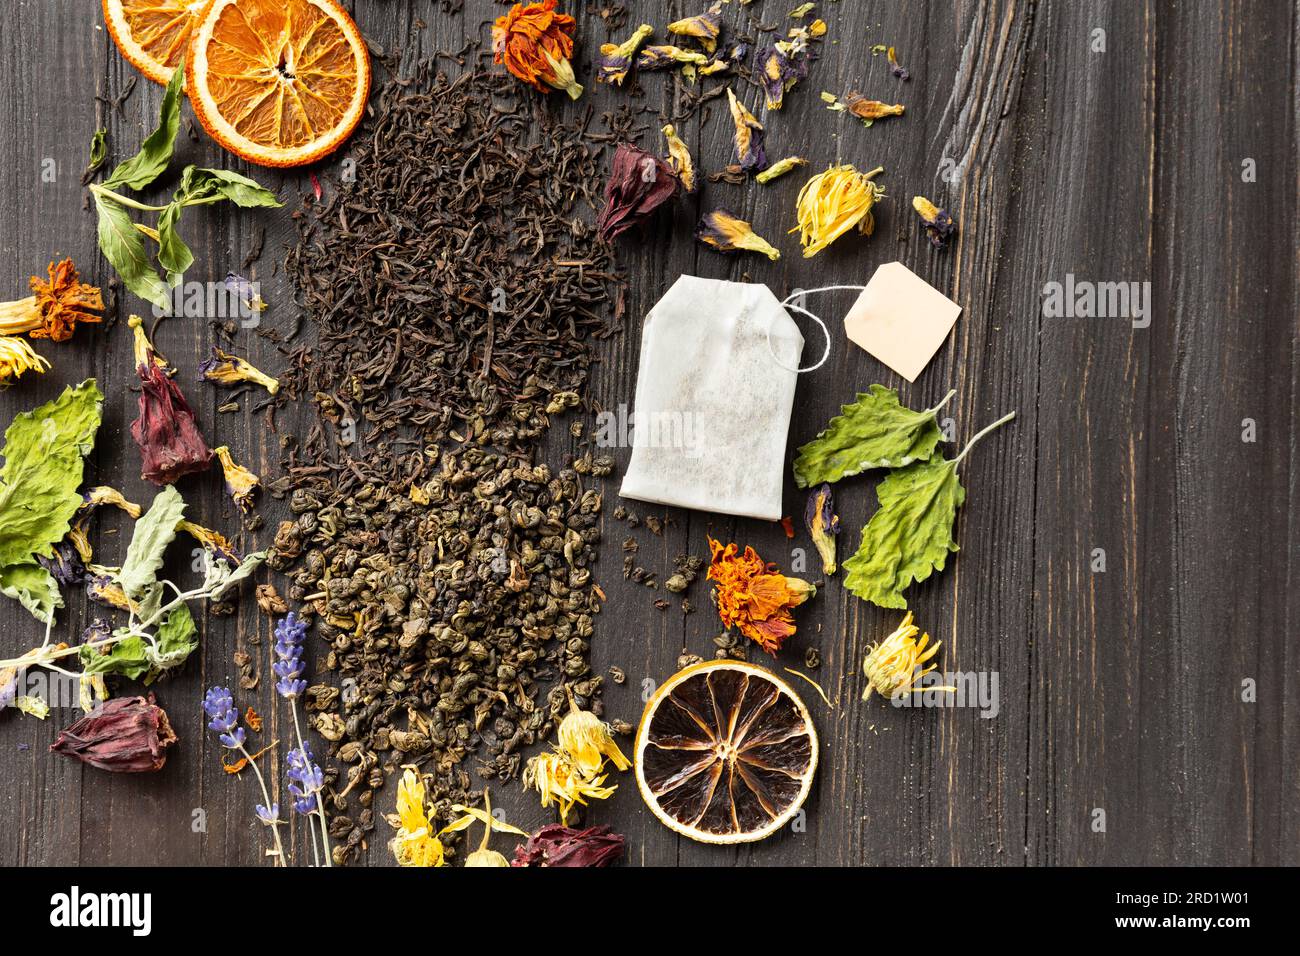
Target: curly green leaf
x=874 y=432
x=910 y=535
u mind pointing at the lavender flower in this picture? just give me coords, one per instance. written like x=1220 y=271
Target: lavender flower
x=305 y=779
x=289 y=636
x=268 y=815
x=220 y=706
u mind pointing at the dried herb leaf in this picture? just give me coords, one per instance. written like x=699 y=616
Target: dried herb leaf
x=156 y=151
x=155 y=530
x=34 y=588
x=98 y=155
x=44 y=451
x=874 y=432
x=123 y=247
x=910 y=536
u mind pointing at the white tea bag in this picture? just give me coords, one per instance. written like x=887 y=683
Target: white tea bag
x=713 y=394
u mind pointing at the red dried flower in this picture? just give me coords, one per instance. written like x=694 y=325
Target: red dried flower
x=555 y=845
x=168 y=435
x=639 y=183
x=125 y=735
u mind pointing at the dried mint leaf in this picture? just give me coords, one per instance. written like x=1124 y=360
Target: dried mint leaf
x=910 y=535
x=874 y=432
x=155 y=530
x=33 y=587
x=44 y=451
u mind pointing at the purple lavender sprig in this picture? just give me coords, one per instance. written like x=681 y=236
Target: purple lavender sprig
x=289 y=636
x=220 y=706
x=305 y=779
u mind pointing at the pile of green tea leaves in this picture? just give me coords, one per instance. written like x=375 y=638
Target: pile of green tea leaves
x=122 y=241
x=910 y=535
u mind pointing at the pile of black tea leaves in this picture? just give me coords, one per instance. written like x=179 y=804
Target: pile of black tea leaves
x=456 y=288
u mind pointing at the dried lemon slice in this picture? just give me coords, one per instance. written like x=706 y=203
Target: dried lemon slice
x=725 y=752
x=277 y=82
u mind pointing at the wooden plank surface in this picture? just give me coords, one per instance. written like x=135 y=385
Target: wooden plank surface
x=1102 y=140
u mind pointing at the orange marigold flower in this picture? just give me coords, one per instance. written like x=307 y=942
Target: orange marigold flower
x=55 y=308
x=536 y=44
x=754 y=596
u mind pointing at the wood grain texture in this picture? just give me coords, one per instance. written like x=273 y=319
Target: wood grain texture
x=1120 y=691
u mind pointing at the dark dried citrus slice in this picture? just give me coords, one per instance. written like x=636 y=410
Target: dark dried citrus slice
x=725 y=752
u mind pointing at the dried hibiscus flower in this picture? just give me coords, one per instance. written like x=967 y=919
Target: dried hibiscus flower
x=639 y=183
x=755 y=597
x=749 y=136
x=55 y=307
x=555 y=845
x=616 y=58
x=728 y=233
x=536 y=44
x=125 y=735
x=166 y=431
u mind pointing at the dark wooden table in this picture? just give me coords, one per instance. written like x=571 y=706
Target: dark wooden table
x=1117 y=142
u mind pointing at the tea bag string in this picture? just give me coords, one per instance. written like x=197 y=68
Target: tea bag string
x=787 y=304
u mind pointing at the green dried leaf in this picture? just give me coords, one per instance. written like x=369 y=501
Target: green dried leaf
x=874 y=432
x=173 y=254
x=198 y=183
x=98 y=155
x=156 y=151
x=44 y=451
x=155 y=530
x=176 y=640
x=123 y=247
x=910 y=535
x=34 y=588
x=221 y=577
x=128 y=657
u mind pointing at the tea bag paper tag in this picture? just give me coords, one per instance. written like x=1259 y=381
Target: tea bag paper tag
x=901 y=319
x=715 y=386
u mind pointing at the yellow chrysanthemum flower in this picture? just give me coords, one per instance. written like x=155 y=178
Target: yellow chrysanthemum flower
x=555 y=778
x=17 y=357
x=415 y=844
x=832 y=203
x=894 y=666
x=586 y=740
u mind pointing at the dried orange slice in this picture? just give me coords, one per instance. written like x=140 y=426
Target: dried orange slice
x=277 y=82
x=725 y=752
x=152 y=34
